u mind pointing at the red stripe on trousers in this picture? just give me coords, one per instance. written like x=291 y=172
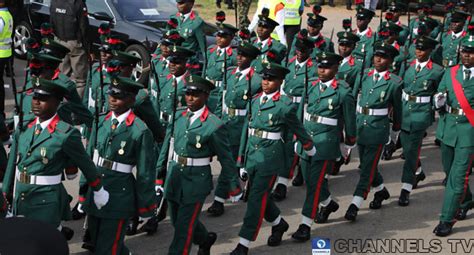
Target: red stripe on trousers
x=372 y=170
x=466 y=181
x=263 y=206
x=190 y=229
x=117 y=237
x=293 y=166
x=318 y=190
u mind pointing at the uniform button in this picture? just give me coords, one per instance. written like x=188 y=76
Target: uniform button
x=103 y=175
x=123 y=189
x=28 y=154
x=44 y=200
x=22 y=198
x=24 y=168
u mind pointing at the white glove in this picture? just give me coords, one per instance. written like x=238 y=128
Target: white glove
x=71 y=176
x=101 y=198
x=142 y=221
x=159 y=190
x=439 y=100
x=311 y=152
x=296 y=148
x=394 y=135
x=243 y=174
x=345 y=149
x=8 y=142
x=236 y=198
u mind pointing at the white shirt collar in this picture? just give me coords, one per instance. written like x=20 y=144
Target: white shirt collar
x=302 y=63
x=45 y=123
x=381 y=74
x=423 y=64
x=267 y=95
x=197 y=115
x=458 y=34
x=186 y=16
x=264 y=42
x=346 y=59
x=179 y=78
x=122 y=117
x=328 y=83
x=363 y=32
x=472 y=71
x=316 y=36
x=223 y=49
x=243 y=72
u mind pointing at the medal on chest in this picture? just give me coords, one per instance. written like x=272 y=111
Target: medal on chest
x=270 y=122
x=198 y=145
x=382 y=95
x=425 y=84
x=43 y=155
x=245 y=97
x=121 y=151
x=330 y=104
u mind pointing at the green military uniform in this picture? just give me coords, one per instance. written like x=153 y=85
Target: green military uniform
x=267 y=44
x=448 y=51
x=192 y=140
x=426 y=25
x=378 y=93
x=328 y=105
x=160 y=65
x=218 y=60
x=234 y=113
x=191 y=28
x=367 y=38
x=415 y=24
x=43 y=153
x=420 y=84
x=293 y=87
x=262 y=154
x=388 y=33
x=321 y=43
x=456 y=132
x=400 y=8
x=350 y=66
x=123 y=143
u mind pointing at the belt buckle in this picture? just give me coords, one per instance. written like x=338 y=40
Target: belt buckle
x=182 y=160
x=107 y=164
x=25 y=178
x=411 y=98
x=365 y=110
x=231 y=112
x=455 y=111
x=165 y=116
x=259 y=133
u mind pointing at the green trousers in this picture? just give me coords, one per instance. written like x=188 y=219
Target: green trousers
x=291 y=158
x=187 y=227
x=226 y=188
x=260 y=205
x=108 y=235
x=457 y=194
x=369 y=175
x=411 y=144
x=316 y=184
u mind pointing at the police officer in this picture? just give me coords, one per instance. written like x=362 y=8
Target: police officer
x=243 y=82
x=6 y=30
x=272 y=113
x=301 y=67
x=274 y=10
x=44 y=148
x=329 y=102
x=378 y=91
x=123 y=142
x=197 y=135
x=70 y=24
x=455 y=130
x=220 y=57
x=292 y=24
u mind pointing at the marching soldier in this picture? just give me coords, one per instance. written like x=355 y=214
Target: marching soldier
x=39 y=155
x=301 y=66
x=264 y=42
x=365 y=33
x=424 y=9
x=395 y=11
x=329 y=104
x=123 y=142
x=421 y=81
x=160 y=64
x=191 y=28
x=243 y=82
x=451 y=41
x=197 y=135
x=349 y=68
x=176 y=77
x=379 y=90
x=271 y=114
x=389 y=32
x=455 y=130
x=220 y=57
x=321 y=43
x=426 y=26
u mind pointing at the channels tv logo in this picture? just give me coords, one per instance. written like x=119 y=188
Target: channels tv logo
x=321 y=246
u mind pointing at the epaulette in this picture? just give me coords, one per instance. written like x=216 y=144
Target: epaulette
x=286 y=100
x=215 y=120
x=140 y=124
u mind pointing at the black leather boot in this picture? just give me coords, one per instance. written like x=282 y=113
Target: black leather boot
x=379 y=197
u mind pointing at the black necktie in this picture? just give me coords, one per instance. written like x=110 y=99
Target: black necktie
x=237 y=75
x=418 y=68
x=37 y=132
x=376 y=77
x=467 y=74
x=264 y=100
x=115 y=123
x=189 y=116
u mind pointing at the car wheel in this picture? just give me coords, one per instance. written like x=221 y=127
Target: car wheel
x=21 y=33
x=139 y=73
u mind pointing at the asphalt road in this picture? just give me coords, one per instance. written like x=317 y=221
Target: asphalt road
x=403 y=229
